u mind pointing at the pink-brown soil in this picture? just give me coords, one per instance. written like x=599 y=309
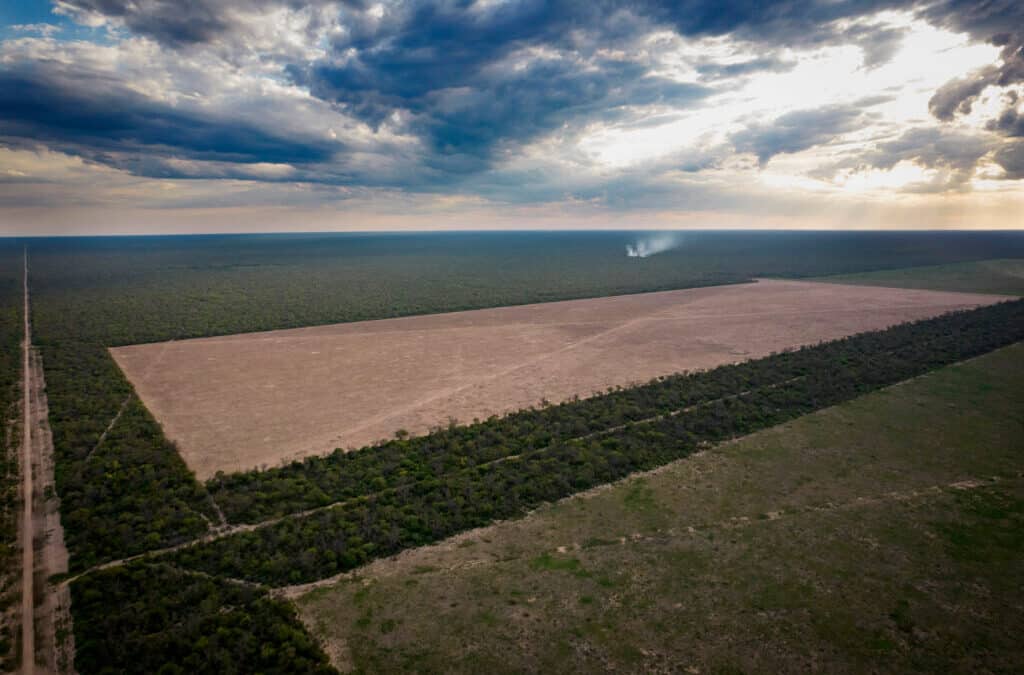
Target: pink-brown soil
x=243 y=401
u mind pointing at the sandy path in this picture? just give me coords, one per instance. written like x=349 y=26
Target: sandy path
x=41 y=527
x=242 y=401
x=28 y=637
x=53 y=611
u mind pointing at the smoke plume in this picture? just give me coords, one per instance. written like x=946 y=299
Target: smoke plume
x=656 y=243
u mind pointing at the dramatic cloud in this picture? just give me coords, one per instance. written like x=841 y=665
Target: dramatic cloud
x=178 y=23
x=556 y=106
x=1000 y=22
x=799 y=130
x=1011 y=158
x=76 y=113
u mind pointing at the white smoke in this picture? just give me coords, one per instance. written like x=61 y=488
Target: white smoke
x=656 y=243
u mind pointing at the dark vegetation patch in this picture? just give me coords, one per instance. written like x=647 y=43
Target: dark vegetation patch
x=154 y=619
x=1004 y=277
x=10 y=440
x=990 y=531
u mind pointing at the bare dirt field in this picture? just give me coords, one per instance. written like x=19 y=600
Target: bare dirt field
x=242 y=401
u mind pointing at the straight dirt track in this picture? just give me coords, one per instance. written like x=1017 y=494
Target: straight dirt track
x=243 y=401
x=28 y=643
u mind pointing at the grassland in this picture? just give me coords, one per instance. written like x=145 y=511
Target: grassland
x=1004 y=277
x=882 y=534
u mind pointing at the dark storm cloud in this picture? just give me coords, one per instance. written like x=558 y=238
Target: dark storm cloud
x=89 y=116
x=419 y=47
x=799 y=130
x=1009 y=122
x=474 y=82
x=931 y=148
x=169 y=21
x=957 y=96
x=1011 y=158
x=447 y=64
x=183 y=23
x=444 y=66
x=467 y=123
x=955 y=154
x=787 y=22
x=190 y=22
x=999 y=22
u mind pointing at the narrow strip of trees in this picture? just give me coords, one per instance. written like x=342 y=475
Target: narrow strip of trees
x=10 y=438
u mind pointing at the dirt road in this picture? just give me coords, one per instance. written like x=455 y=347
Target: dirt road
x=28 y=637
x=43 y=620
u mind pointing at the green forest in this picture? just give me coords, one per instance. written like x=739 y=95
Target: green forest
x=10 y=437
x=125 y=489
x=152 y=619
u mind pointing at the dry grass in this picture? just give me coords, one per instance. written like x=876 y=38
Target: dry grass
x=882 y=535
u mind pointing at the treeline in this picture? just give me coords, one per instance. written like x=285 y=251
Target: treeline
x=10 y=445
x=252 y=496
x=130 y=493
x=306 y=548
x=153 y=619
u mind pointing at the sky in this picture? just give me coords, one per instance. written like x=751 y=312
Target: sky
x=161 y=116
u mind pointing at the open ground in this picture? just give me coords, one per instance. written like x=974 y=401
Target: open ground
x=237 y=402
x=881 y=535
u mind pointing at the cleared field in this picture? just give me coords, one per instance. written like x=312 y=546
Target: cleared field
x=1005 y=277
x=881 y=535
x=243 y=401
